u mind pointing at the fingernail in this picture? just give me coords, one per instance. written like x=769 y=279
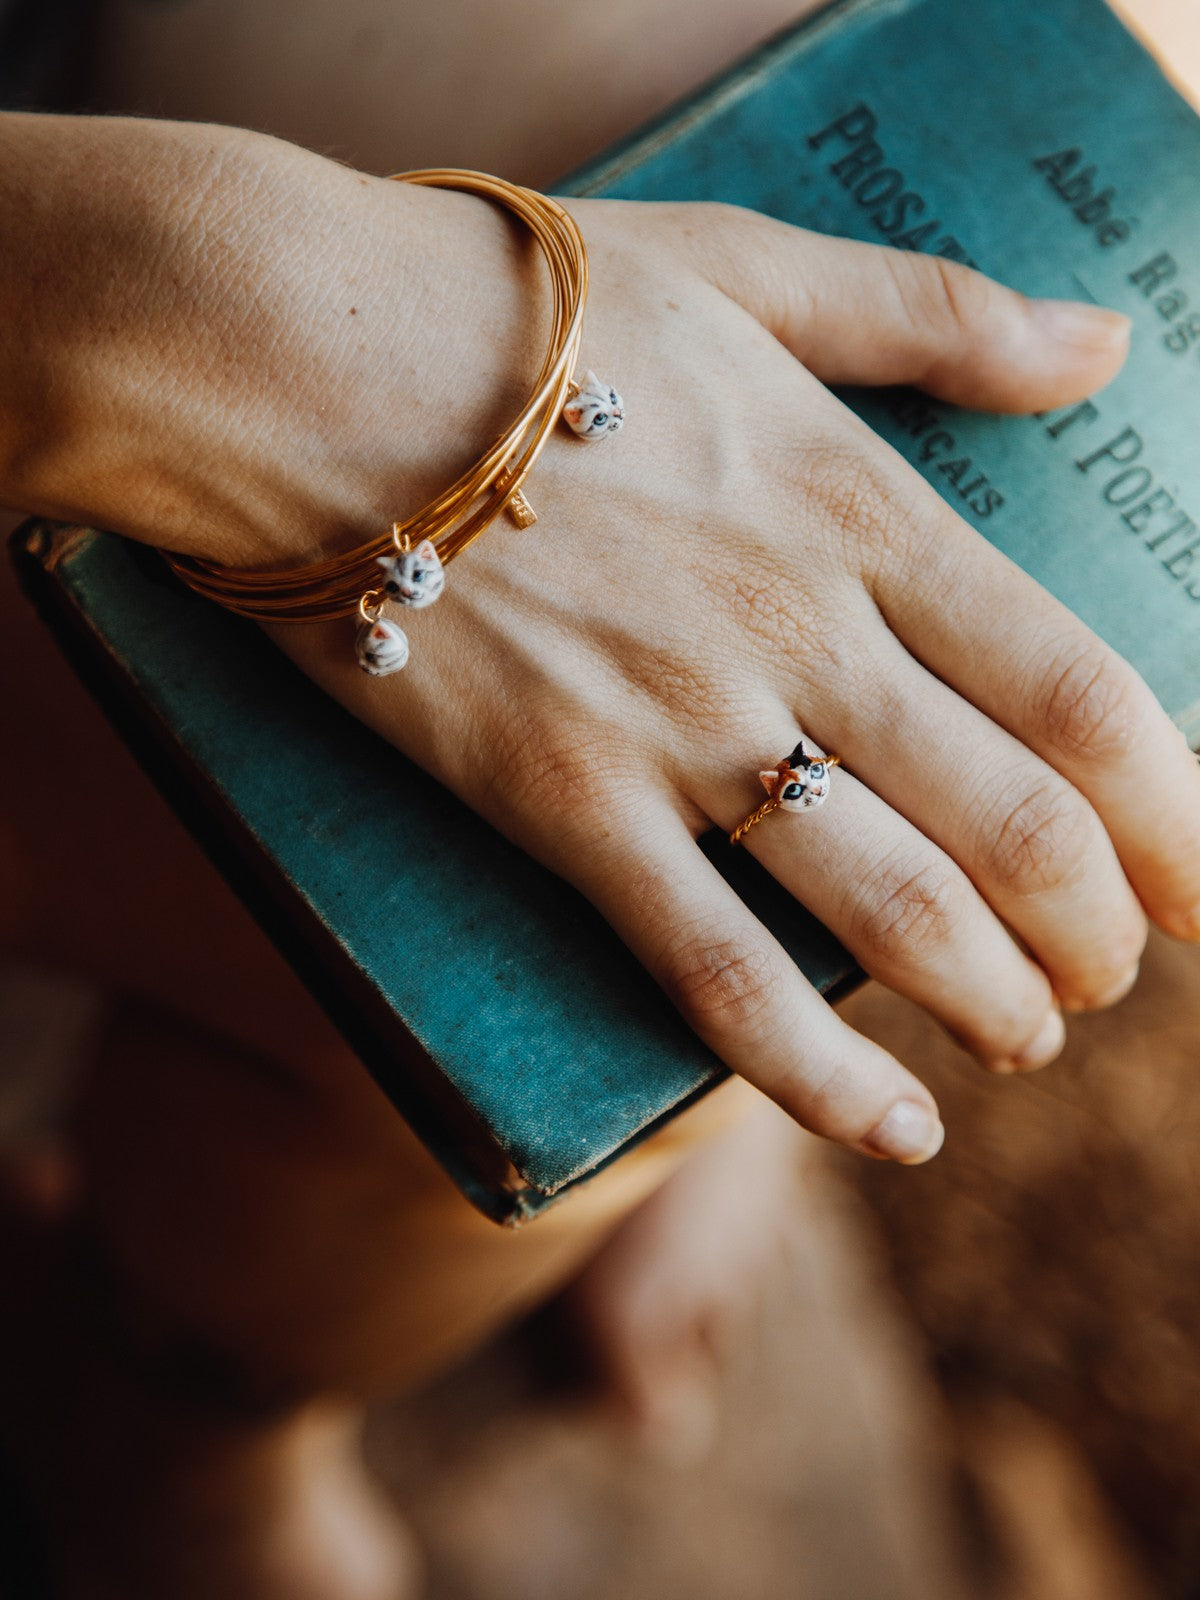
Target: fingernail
x=1043 y=1047
x=1074 y=322
x=909 y=1133
x=1106 y=997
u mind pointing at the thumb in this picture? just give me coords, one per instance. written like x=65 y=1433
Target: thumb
x=863 y=313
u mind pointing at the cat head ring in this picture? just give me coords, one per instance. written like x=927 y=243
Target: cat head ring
x=797 y=784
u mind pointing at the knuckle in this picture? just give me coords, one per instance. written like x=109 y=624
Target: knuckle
x=942 y=295
x=696 y=697
x=911 y=914
x=1095 y=706
x=696 y=691
x=535 y=761
x=1044 y=841
x=766 y=605
x=822 y=1098
x=864 y=502
x=721 y=984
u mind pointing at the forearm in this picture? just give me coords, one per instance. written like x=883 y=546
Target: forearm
x=194 y=357
x=95 y=261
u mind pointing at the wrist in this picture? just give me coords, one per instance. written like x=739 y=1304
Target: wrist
x=241 y=350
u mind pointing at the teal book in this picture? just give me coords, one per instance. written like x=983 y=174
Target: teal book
x=1039 y=142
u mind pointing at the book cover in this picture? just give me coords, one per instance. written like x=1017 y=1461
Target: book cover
x=541 y=1049
x=1041 y=144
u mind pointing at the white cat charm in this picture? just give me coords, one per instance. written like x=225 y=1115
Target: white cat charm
x=381 y=647
x=800 y=782
x=594 y=410
x=414 y=577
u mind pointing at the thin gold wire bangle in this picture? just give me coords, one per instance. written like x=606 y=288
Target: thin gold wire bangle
x=327 y=590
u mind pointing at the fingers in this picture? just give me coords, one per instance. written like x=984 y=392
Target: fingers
x=861 y=313
x=1029 y=841
x=910 y=916
x=1036 y=670
x=739 y=990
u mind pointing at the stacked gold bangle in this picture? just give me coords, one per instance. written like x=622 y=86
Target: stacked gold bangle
x=346 y=584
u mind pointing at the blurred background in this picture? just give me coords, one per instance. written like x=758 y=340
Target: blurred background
x=980 y=1379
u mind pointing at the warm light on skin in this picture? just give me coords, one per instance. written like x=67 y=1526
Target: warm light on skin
x=1171 y=29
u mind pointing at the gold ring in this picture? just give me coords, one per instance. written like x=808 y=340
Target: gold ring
x=797 y=784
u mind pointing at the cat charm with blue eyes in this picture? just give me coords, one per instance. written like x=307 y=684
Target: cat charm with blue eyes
x=412 y=577
x=594 y=410
x=415 y=575
x=798 y=784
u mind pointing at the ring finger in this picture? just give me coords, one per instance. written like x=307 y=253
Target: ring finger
x=904 y=909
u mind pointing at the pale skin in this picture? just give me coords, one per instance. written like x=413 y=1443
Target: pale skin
x=265 y=369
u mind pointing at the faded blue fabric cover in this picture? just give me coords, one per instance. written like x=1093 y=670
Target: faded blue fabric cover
x=497 y=1009
x=962 y=99
x=494 y=1006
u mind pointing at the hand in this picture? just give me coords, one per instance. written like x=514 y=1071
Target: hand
x=745 y=560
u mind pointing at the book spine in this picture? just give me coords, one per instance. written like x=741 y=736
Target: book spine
x=42 y=554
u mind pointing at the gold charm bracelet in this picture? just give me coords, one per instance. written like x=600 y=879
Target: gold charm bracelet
x=414 y=552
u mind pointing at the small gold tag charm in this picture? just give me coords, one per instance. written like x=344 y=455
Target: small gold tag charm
x=521 y=512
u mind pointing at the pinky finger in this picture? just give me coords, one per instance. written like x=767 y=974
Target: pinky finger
x=743 y=995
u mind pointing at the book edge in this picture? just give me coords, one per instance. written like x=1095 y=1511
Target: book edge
x=445 y=1120
x=727 y=86
x=658 y=132
x=436 y=1110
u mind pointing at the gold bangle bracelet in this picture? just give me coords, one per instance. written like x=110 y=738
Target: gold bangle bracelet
x=340 y=586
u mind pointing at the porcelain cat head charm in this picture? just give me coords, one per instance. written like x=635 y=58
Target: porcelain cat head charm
x=799 y=782
x=414 y=577
x=595 y=411
x=381 y=647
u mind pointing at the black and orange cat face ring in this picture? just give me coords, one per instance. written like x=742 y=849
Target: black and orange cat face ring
x=797 y=784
